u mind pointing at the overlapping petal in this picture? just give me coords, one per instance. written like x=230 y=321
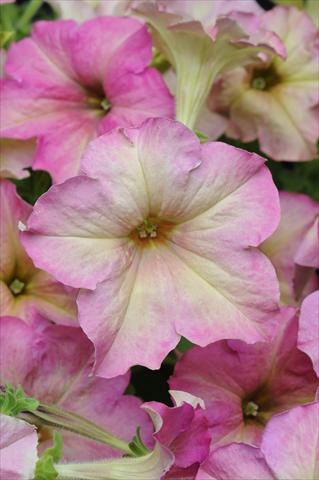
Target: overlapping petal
x=289 y=451
x=53 y=364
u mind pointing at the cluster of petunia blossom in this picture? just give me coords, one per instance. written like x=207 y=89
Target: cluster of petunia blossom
x=151 y=233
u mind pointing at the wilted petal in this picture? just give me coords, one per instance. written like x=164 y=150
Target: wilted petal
x=308 y=333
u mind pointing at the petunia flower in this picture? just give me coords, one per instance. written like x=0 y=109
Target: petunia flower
x=26 y=291
x=73 y=88
x=243 y=386
x=15 y=157
x=162 y=232
x=308 y=333
x=288 y=451
x=202 y=47
x=294 y=247
x=18 y=449
x=181 y=441
x=277 y=102
x=53 y=365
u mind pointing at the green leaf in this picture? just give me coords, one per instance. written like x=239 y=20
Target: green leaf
x=137 y=446
x=14 y=400
x=44 y=469
x=32 y=187
x=184 y=345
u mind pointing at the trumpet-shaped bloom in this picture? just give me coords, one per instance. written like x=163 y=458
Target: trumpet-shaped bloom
x=211 y=42
x=243 y=386
x=53 y=365
x=18 y=449
x=162 y=232
x=15 y=157
x=277 y=102
x=308 y=333
x=26 y=291
x=294 y=247
x=73 y=89
x=288 y=451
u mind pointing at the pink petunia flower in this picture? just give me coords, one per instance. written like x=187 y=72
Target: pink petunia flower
x=288 y=451
x=26 y=291
x=18 y=449
x=243 y=386
x=163 y=233
x=53 y=365
x=308 y=333
x=294 y=247
x=78 y=83
x=204 y=39
x=277 y=102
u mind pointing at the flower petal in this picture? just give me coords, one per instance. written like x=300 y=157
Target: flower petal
x=290 y=443
x=18 y=449
x=308 y=336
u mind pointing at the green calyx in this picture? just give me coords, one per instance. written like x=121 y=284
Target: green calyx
x=45 y=469
x=137 y=446
x=14 y=401
x=201 y=135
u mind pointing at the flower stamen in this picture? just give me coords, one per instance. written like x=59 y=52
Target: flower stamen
x=147 y=229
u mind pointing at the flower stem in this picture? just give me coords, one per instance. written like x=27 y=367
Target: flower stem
x=55 y=417
x=29 y=13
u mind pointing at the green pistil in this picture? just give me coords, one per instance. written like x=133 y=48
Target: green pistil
x=148 y=229
x=99 y=103
x=16 y=286
x=105 y=104
x=250 y=409
x=259 y=83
